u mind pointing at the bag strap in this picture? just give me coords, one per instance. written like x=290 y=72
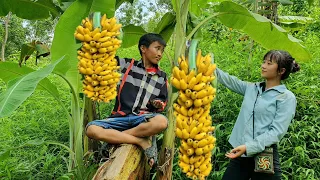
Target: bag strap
x=255 y=102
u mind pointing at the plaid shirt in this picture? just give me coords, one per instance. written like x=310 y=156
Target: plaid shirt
x=138 y=87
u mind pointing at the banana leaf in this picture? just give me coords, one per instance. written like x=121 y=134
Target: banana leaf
x=32 y=10
x=22 y=88
x=260 y=29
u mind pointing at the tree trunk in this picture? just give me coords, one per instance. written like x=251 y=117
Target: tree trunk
x=6 y=25
x=126 y=162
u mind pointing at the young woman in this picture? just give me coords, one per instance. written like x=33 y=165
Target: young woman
x=266 y=112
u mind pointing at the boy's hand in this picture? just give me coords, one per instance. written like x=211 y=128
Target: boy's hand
x=157 y=104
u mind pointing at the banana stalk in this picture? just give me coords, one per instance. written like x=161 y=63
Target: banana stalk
x=192 y=55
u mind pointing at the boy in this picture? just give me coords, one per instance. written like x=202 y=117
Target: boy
x=142 y=92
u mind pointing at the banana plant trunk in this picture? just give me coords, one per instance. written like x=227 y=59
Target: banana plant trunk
x=164 y=171
x=89 y=114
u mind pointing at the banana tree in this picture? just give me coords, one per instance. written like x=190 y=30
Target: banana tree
x=63 y=45
x=259 y=28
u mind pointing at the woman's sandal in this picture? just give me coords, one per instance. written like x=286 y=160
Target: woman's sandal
x=152 y=152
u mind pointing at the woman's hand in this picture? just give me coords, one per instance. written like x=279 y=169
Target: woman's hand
x=236 y=152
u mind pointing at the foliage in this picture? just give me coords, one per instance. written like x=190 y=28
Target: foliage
x=27 y=50
x=19 y=89
x=140 y=12
x=40 y=117
x=40 y=9
x=40 y=30
x=16 y=35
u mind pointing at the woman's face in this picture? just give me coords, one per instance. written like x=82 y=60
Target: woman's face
x=269 y=69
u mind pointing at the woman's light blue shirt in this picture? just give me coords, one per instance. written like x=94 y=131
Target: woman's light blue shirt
x=273 y=111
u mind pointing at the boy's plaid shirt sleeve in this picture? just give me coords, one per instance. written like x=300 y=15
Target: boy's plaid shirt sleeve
x=138 y=88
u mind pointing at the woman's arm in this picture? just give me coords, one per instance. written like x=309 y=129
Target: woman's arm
x=286 y=107
x=232 y=82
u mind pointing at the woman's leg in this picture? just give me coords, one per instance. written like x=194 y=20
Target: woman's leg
x=238 y=169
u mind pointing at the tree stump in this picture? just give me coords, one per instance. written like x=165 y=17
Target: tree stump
x=126 y=162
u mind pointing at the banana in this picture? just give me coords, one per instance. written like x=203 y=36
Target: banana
x=175 y=82
x=198 y=102
x=185 y=134
x=189 y=142
x=200 y=136
x=192 y=83
x=188 y=103
x=184 y=67
x=176 y=73
x=190 y=152
x=79 y=36
x=199 y=151
x=80 y=30
x=83 y=70
x=210 y=70
x=94 y=32
x=198 y=87
x=97 y=36
x=179 y=133
x=183 y=84
x=87 y=38
x=203 y=143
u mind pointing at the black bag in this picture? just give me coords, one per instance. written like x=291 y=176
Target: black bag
x=263 y=161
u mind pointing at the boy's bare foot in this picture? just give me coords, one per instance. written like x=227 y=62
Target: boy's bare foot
x=146 y=143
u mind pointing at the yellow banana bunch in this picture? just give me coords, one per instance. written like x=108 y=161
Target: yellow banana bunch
x=192 y=112
x=96 y=57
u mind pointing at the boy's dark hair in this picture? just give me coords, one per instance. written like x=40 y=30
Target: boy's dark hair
x=148 y=39
x=284 y=60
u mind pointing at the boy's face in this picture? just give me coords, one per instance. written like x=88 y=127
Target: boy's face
x=153 y=53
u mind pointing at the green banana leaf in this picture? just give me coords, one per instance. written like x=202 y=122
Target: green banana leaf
x=131 y=35
x=10 y=71
x=295 y=19
x=103 y=6
x=40 y=9
x=64 y=42
x=294 y=22
x=260 y=29
x=166 y=26
x=197 y=6
x=28 y=49
x=119 y=2
x=23 y=87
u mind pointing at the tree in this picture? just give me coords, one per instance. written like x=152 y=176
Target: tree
x=16 y=36
x=40 y=30
x=5 y=36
